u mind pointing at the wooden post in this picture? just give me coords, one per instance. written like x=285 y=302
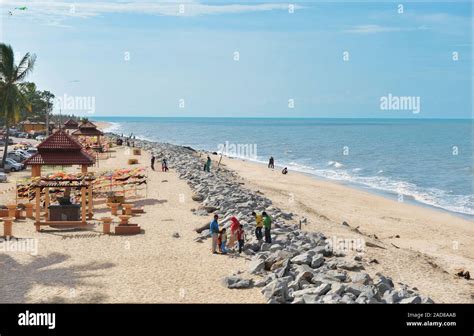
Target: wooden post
x=38 y=208
x=46 y=203
x=7 y=227
x=106 y=221
x=127 y=209
x=91 y=200
x=11 y=210
x=35 y=170
x=124 y=219
x=114 y=208
x=84 y=205
x=29 y=210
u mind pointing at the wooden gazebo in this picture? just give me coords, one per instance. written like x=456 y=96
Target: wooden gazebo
x=60 y=149
x=70 y=125
x=88 y=129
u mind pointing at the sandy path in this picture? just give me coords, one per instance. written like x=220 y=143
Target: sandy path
x=432 y=243
x=151 y=267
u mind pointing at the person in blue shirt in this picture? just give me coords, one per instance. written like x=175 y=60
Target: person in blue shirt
x=214 y=230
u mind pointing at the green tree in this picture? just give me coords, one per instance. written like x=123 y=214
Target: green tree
x=13 y=89
x=41 y=103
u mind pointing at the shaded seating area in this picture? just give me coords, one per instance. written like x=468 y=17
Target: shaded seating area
x=89 y=131
x=61 y=149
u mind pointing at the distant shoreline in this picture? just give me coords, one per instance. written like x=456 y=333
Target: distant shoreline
x=281 y=117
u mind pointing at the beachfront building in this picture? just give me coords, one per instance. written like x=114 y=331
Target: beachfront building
x=70 y=126
x=61 y=149
x=88 y=130
x=33 y=126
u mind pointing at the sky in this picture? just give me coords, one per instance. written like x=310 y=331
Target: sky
x=336 y=59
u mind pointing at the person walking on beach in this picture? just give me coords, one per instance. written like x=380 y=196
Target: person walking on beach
x=208 y=164
x=241 y=237
x=214 y=231
x=259 y=225
x=267 y=222
x=223 y=241
x=164 y=165
x=271 y=162
x=234 y=227
x=153 y=162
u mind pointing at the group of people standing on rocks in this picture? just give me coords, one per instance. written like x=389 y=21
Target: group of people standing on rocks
x=219 y=238
x=164 y=164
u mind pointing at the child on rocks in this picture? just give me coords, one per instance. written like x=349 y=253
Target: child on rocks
x=241 y=237
x=223 y=241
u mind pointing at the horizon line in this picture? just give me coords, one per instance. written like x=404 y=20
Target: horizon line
x=277 y=117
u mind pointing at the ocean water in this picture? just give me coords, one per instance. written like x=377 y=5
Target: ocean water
x=425 y=161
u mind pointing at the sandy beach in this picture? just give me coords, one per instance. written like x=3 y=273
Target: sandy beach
x=154 y=267
x=415 y=245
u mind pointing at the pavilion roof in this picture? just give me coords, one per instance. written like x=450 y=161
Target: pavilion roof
x=60 y=149
x=87 y=132
x=87 y=124
x=71 y=124
x=61 y=159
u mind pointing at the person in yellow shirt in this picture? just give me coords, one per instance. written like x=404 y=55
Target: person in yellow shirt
x=259 y=225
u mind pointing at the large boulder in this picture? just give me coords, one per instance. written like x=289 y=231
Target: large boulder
x=331 y=298
x=283 y=270
x=351 y=266
x=317 y=261
x=411 y=300
x=235 y=282
x=361 y=278
x=301 y=259
x=257 y=265
x=197 y=197
x=383 y=284
x=309 y=298
x=276 y=291
x=318 y=291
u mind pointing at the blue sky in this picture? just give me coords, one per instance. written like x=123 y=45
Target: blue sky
x=81 y=52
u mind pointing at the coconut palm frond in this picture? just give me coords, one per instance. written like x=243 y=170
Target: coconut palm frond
x=25 y=67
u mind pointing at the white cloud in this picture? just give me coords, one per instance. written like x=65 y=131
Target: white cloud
x=82 y=9
x=374 y=29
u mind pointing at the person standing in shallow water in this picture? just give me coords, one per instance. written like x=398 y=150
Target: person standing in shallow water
x=214 y=230
x=267 y=223
x=271 y=162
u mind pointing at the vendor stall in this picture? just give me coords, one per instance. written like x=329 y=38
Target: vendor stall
x=60 y=149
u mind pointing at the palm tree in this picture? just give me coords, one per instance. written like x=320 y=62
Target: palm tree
x=13 y=88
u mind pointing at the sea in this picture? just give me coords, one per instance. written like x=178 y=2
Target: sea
x=428 y=162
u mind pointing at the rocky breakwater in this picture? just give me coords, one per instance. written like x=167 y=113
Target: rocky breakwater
x=299 y=266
